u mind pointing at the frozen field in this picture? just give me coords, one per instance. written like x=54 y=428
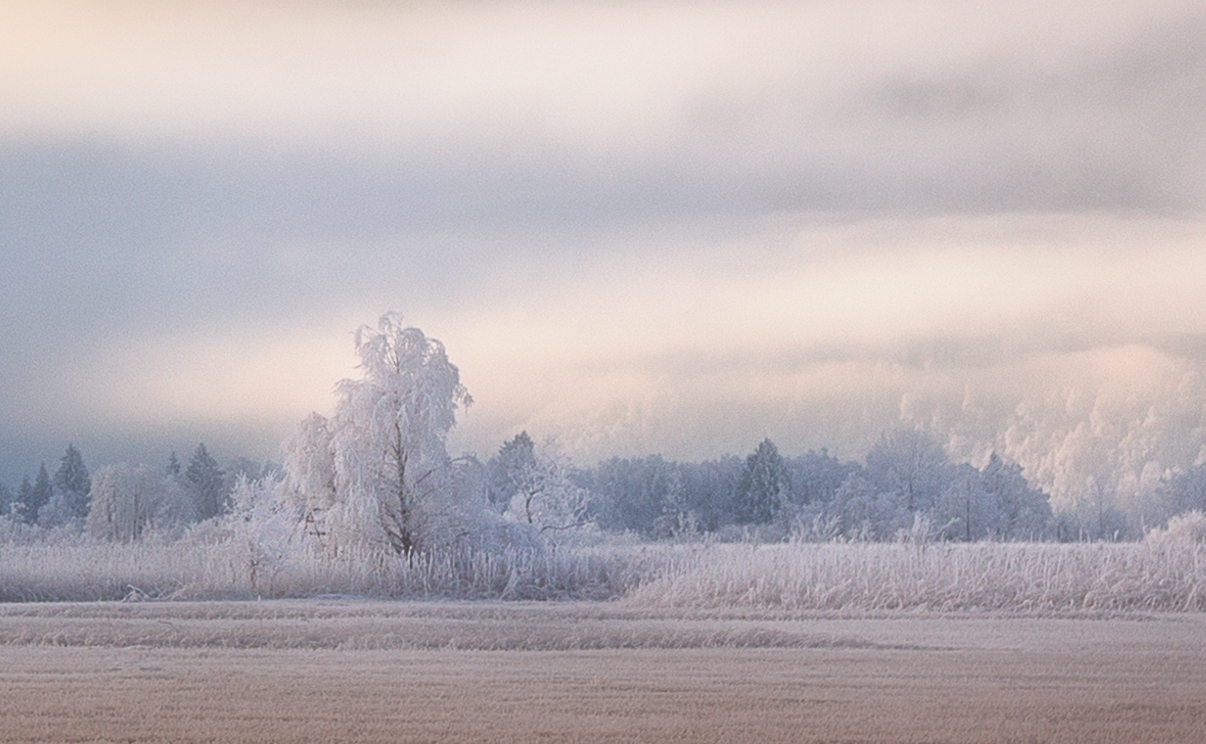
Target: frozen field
x=377 y=671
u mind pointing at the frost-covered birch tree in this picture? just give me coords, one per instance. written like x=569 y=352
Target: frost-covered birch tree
x=129 y=500
x=310 y=469
x=375 y=471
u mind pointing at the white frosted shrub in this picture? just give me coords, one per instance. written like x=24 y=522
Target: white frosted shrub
x=1188 y=528
x=263 y=531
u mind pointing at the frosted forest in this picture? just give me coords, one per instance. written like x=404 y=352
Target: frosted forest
x=369 y=502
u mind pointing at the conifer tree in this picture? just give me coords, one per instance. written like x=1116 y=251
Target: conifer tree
x=24 y=495
x=173 y=465
x=39 y=495
x=207 y=483
x=512 y=471
x=763 y=486
x=73 y=484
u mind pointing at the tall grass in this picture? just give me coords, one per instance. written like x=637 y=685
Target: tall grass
x=85 y=570
x=1154 y=575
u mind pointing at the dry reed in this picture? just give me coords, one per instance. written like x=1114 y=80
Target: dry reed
x=1026 y=577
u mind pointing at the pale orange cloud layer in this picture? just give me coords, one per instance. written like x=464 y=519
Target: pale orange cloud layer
x=638 y=227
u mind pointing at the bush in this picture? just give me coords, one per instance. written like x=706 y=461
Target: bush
x=1189 y=528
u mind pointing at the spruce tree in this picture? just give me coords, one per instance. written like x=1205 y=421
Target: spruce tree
x=207 y=483
x=764 y=484
x=512 y=471
x=73 y=483
x=39 y=495
x=24 y=495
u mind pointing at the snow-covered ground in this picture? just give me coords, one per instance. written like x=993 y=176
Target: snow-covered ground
x=327 y=670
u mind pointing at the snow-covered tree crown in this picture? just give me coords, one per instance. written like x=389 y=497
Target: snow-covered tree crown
x=406 y=375
x=376 y=471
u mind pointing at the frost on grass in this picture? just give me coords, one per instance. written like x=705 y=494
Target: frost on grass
x=1160 y=574
x=1157 y=575
x=221 y=562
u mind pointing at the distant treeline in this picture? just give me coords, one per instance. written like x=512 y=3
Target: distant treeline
x=122 y=501
x=905 y=482
x=905 y=477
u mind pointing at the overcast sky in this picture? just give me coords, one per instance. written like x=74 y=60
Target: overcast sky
x=638 y=227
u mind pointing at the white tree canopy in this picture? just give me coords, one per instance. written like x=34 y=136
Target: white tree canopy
x=379 y=465
x=310 y=469
x=128 y=500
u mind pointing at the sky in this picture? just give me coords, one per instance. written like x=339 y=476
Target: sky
x=638 y=227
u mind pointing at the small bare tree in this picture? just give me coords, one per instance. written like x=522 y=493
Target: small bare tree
x=546 y=497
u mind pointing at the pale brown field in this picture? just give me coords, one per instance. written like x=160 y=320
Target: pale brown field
x=357 y=671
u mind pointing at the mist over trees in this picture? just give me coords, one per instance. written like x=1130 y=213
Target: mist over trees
x=377 y=475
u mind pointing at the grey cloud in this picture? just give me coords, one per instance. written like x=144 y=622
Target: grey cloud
x=100 y=238
x=1119 y=125
x=1123 y=128
x=936 y=353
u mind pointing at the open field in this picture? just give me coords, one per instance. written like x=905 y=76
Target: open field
x=369 y=671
